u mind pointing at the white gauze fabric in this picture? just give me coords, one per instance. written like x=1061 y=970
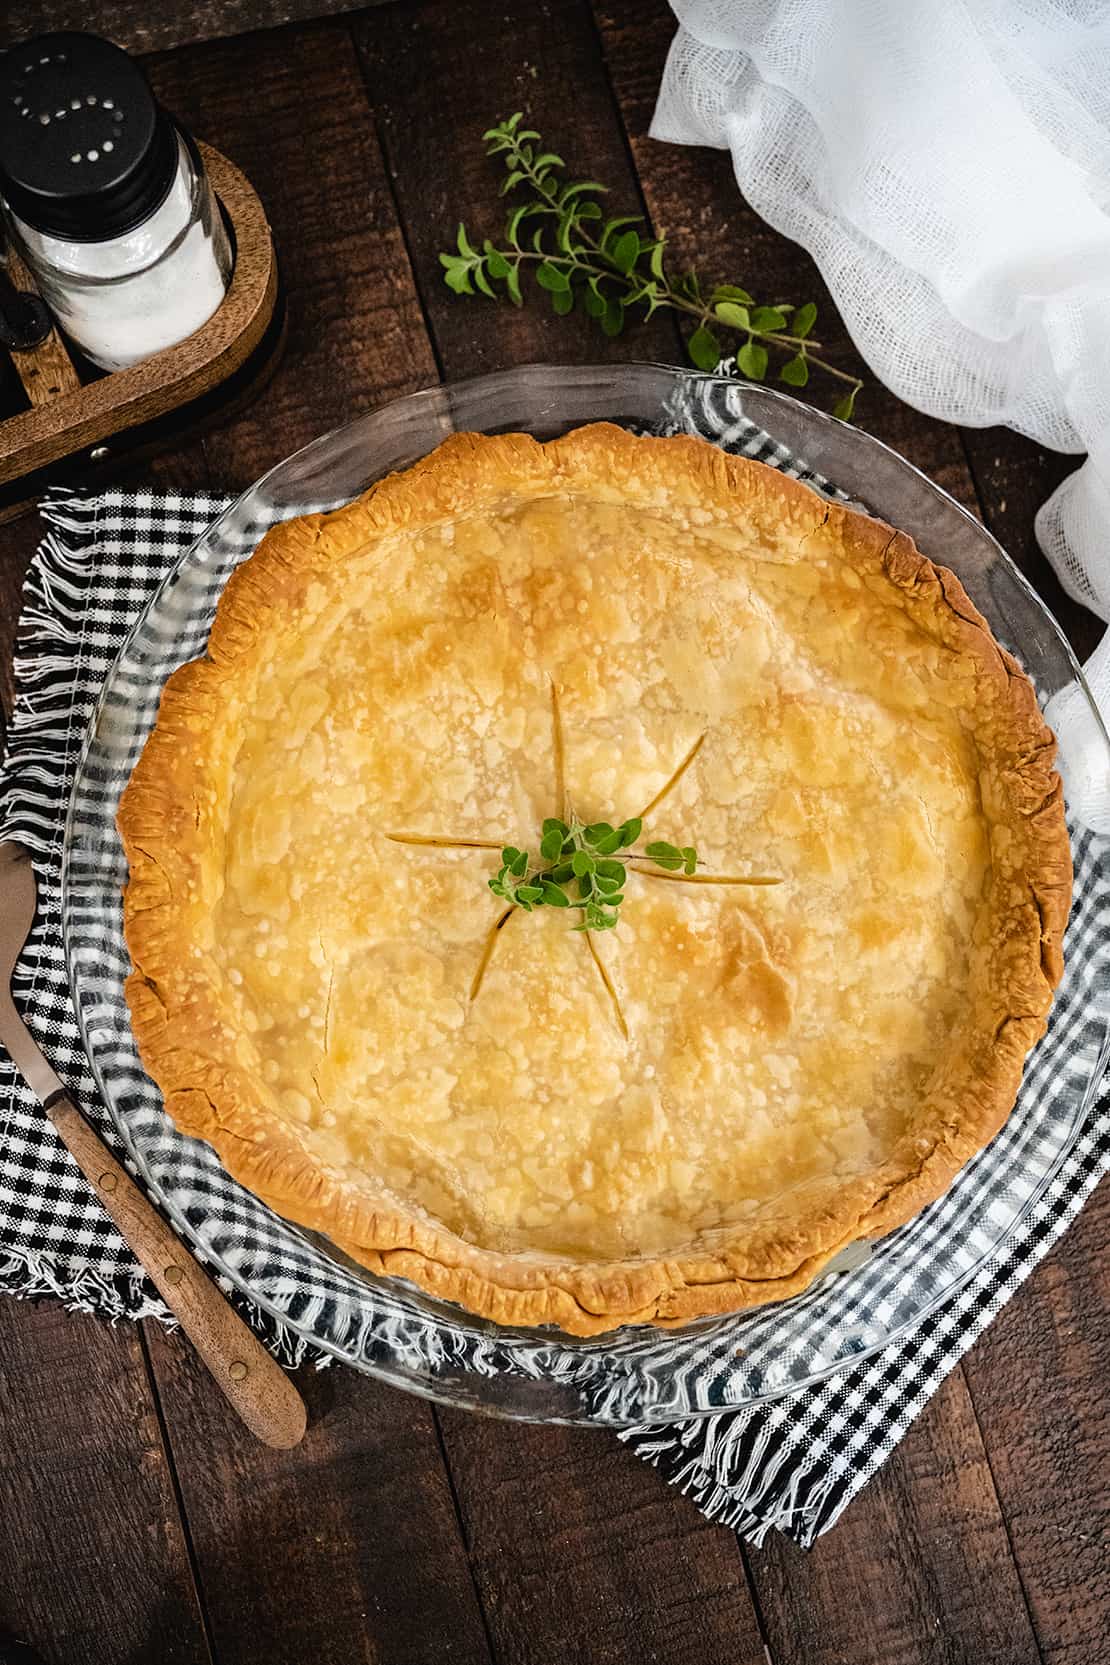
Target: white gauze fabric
x=948 y=167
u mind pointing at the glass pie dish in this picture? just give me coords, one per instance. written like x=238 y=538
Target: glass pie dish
x=871 y=1294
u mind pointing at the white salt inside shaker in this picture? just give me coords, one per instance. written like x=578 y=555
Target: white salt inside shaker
x=108 y=202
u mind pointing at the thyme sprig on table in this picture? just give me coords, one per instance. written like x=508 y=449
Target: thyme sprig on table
x=556 y=228
x=582 y=867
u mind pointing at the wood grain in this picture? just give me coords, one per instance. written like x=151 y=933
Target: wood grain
x=1038 y=1381
x=356 y=337
x=571 y=1536
x=46 y=372
x=347 y=1548
x=94 y=1564
x=142 y=27
x=919 y=1565
x=547 y=65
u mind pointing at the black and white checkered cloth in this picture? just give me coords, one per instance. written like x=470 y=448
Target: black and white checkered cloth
x=791 y=1463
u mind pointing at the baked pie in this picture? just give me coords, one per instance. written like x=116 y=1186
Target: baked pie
x=792 y=1046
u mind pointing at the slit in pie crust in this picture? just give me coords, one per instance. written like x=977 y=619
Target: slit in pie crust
x=686 y=1115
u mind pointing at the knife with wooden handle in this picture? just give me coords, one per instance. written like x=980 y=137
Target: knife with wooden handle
x=254 y=1383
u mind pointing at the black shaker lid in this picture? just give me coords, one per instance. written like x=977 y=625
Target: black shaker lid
x=85 y=152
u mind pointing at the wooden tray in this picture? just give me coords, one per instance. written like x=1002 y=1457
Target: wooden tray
x=75 y=409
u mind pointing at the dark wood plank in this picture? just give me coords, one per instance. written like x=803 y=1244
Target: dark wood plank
x=355 y=331
x=346 y=1548
x=581 y=1553
x=546 y=64
x=93 y=1561
x=142 y=27
x=918 y=1570
x=1038 y=1380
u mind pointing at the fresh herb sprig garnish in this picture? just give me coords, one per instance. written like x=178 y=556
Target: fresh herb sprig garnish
x=581 y=866
x=557 y=229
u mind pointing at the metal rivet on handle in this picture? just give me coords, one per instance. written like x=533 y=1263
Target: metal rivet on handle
x=237 y=1370
x=174 y=1274
x=107 y=1182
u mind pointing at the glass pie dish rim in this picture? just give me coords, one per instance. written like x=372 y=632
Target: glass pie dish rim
x=434 y=398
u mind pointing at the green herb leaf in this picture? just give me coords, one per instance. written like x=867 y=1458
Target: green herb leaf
x=732 y=314
x=630 y=831
x=562 y=301
x=457 y=277
x=690 y=858
x=795 y=371
x=844 y=408
x=609 y=845
x=596 y=831
x=611 y=870
x=613 y=319
x=729 y=292
x=554 y=895
x=582 y=863
x=751 y=360
x=626 y=252
x=551 y=845
x=704 y=348
x=803 y=320
x=552 y=277
x=664 y=855
x=496 y=264
x=768 y=319
x=529 y=893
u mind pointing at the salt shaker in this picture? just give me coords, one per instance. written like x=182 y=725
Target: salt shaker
x=107 y=200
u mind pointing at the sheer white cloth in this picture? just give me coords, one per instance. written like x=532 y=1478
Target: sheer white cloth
x=948 y=167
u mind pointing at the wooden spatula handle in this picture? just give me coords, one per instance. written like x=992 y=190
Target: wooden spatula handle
x=253 y=1382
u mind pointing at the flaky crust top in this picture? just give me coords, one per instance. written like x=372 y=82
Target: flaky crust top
x=180 y=819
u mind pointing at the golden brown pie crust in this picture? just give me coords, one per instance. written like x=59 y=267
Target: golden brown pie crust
x=171 y=822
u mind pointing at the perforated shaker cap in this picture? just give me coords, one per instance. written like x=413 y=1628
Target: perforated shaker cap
x=85 y=151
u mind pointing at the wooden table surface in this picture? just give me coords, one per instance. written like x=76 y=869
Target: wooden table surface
x=138 y=1522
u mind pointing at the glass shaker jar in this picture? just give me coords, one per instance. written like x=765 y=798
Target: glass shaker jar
x=107 y=200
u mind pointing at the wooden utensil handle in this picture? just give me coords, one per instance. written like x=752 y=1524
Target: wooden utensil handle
x=253 y=1382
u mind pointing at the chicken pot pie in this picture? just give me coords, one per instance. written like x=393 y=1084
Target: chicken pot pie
x=688 y=1113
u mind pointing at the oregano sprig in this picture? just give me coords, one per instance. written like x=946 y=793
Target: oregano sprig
x=557 y=229
x=581 y=867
